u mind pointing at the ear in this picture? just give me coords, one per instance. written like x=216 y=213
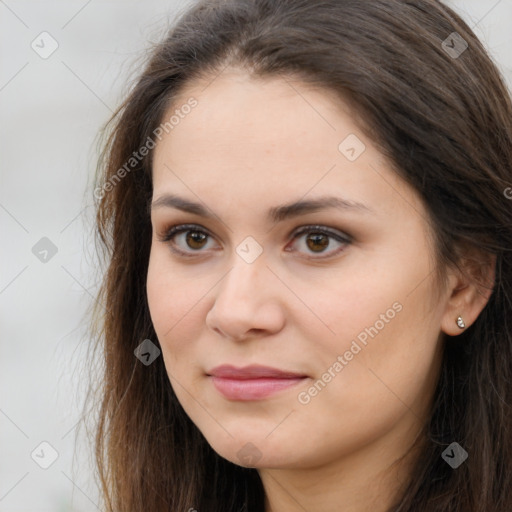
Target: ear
x=470 y=287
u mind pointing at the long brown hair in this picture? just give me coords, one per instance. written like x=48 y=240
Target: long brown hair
x=431 y=98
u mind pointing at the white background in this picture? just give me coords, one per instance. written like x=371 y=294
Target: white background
x=51 y=110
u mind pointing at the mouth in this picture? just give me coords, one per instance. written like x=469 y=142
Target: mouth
x=253 y=382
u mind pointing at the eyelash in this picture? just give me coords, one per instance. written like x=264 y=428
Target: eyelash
x=177 y=229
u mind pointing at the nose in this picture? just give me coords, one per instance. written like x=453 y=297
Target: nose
x=247 y=302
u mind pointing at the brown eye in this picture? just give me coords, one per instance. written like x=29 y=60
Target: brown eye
x=317 y=242
x=195 y=239
x=188 y=240
x=319 y=238
x=185 y=239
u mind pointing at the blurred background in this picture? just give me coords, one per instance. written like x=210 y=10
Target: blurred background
x=64 y=67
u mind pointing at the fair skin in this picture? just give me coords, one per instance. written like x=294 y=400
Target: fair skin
x=249 y=146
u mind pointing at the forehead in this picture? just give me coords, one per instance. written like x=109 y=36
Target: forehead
x=267 y=139
x=238 y=118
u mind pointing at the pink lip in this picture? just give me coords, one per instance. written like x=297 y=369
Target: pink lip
x=252 y=382
x=253 y=371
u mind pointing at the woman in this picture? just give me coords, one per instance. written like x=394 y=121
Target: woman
x=308 y=236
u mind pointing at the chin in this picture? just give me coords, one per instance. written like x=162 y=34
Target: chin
x=257 y=454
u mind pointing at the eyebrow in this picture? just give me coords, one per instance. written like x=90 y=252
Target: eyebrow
x=275 y=214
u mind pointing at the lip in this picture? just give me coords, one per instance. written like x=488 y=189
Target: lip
x=253 y=371
x=252 y=382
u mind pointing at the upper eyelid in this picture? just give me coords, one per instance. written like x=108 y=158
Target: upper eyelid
x=185 y=226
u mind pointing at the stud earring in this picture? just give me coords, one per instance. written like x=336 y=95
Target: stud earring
x=460 y=322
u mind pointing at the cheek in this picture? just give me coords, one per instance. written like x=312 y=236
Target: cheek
x=388 y=378
x=346 y=304
x=170 y=294
x=388 y=349
x=176 y=304
x=383 y=328
x=159 y=292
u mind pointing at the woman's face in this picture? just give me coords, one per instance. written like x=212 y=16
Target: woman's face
x=350 y=309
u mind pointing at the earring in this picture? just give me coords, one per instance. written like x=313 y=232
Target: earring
x=460 y=322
